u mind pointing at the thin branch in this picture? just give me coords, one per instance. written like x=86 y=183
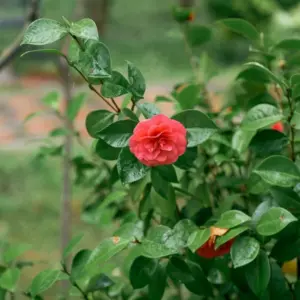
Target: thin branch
x=292 y=128
x=9 y=53
x=116 y=105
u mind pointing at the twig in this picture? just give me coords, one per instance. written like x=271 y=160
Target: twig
x=292 y=128
x=10 y=53
x=133 y=105
x=116 y=105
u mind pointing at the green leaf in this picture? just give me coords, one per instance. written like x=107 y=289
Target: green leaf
x=137 y=82
x=296 y=94
x=278 y=288
x=232 y=233
x=295 y=79
x=110 y=90
x=232 y=218
x=43 y=32
x=242 y=27
x=141 y=271
x=130 y=230
x=162 y=99
x=258 y=274
x=153 y=249
x=257 y=186
x=296 y=117
x=106 y=151
x=188 y=97
x=130 y=114
x=104 y=251
x=118 y=133
x=148 y=109
x=244 y=250
x=51 y=51
x=200 y=285
x=297 y=290
x=199 y=126
x=262 y=208
x=95 y=62
x=129 y=168
x=72 y=244
x=99 y=282
x=266 y=71
x=9 y=279
x=268 y=142
x=198 y=35
x=241 y=140
x=178 y=270
x=278 y=170
x=160 y=185
x=85 y=29
x=14 y=251
x=98 y=120
x=112 y=197
x=260 y=116
x=286 y=198
x=252 y=74
x=157 y=285
x=43 y=281
x=288 y=44
x=274 y=220
x=186 y=161
x=75 y=105
x=51 y=100
x=78 y=264
x=198 y=238
x=286 y=250
x=167 y=172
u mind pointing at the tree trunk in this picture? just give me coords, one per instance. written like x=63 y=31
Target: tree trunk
x=98 y=11
x=186 y=3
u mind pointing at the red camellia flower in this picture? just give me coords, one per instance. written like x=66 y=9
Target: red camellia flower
x=158 y=141
x=208 y=249
x=278 y=126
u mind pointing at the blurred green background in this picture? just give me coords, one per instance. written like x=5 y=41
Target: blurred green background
x=141 y=31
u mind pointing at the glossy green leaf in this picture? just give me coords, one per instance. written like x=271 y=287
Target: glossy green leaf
x=137 y=85
x=186 y=160
x=160 y=185
x=258 y=274
x=199 y=126
x=154 y=249
x=104 y=251
x=106 y=151
x=278 y=170
x=188 y=97
x=130 y=114
x=9 y=279
x=257 y=186
x=272 y=76
x=98 y=282
x=242 y=27
x=98 y=120
x=148 y=109
x=14 y=251
x=278 y=288
x=241 y=140
x=284 y=251
x=78 y=264
x=85 y=29
x=178 y=270
x=274 y=220
x=75 y=105
x=288 y=44
x=43 y=32
x=286 y=198
x=252 y=74
x=296 y=117
x=232 y=218
x=261 y=209
x=200 y=285
x=115 y=86
x=268 y=142
x=141 y=271
x=43 y=281
x=167 y=172
x=232 y=233
x=129 y=168
x=72 y=244
x=260 y=116
x=244 y=250
x=198 y=238
x=162 y=99
x=118 y=133
x=157 y=285
x=198 y=35
x=131 y=230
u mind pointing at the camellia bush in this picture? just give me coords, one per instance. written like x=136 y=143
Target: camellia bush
x=207 y=198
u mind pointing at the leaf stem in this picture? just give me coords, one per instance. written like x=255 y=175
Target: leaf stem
x=292 y=128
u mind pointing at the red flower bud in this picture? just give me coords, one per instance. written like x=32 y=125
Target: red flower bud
x=278 y=126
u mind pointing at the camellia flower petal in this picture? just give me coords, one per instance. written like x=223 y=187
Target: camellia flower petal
x=158 y=141
x=278 y=126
